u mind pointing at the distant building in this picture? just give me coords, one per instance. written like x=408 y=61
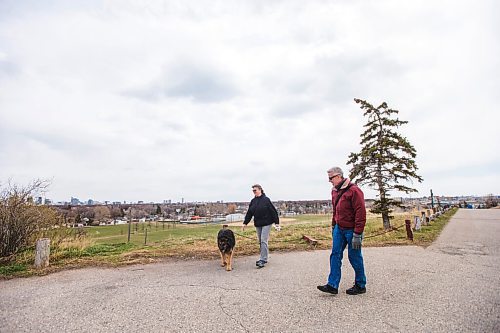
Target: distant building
x=235 y=217
x=39 y=200
x=75 y=201
x=48 y=202
x=90 y=202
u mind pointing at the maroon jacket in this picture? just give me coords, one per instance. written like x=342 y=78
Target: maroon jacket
x=350 y=212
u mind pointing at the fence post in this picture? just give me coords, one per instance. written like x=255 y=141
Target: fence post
x=409 y=233
x=146 y=236
x=129 y=226
x=42 y=253
x=418 y=222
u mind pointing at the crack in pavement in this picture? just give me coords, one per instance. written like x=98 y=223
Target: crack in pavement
x=230 y=316
x=231 y=289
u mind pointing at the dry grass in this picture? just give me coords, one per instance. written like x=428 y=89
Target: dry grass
x=199 y=242
x=77 y=243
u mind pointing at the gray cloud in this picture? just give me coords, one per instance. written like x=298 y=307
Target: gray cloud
x=200 y=84
x=8 y=69
x=295 y=108
x=352 y=75
x=216 y=93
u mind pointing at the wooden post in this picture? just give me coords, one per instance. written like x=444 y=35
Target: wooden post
x=42 y=253
x=146 y=236
x=310 y=240
x=129 y=226
x=409 y=233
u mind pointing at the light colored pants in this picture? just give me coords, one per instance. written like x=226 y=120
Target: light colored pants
x=263 y=235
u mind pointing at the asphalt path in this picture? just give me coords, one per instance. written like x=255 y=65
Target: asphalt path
x=451 y=286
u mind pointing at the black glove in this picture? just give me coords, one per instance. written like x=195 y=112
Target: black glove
x=356 y=241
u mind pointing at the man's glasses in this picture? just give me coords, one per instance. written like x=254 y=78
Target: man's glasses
x=254 y=190
x=333 y=177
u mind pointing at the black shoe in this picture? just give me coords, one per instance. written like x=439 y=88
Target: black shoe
x=257 y=263
x=260 y=264
x=328 y=289
x=355 y=290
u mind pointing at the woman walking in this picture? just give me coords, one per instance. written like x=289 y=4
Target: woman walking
x=264 y=215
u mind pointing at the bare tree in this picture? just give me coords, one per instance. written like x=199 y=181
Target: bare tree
x=491 y=201
x=231 y=208
x=21 y=221
x=116 y=212
x=102 y=213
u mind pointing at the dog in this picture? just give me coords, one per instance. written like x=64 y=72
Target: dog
x=226 y=243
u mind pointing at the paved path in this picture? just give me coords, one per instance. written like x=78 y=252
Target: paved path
x=452 y=286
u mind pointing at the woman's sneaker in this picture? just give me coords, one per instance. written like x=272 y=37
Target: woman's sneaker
x=260 y=263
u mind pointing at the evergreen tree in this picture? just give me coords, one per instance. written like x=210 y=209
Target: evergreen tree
x=386 y=158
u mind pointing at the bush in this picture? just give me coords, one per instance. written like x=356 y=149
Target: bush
x=22 y=221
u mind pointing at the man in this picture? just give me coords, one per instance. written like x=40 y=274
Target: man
x=348 y=223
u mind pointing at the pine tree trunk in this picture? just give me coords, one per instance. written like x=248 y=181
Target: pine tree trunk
x=386 y=221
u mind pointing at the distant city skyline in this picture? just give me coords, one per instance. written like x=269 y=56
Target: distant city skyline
x=89 y=202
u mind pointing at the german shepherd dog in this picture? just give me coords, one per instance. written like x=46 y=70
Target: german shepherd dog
x=226 y=243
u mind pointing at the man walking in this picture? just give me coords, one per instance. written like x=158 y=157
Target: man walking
x=348 y=223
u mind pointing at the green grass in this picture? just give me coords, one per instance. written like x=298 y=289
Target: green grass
x=119 y=233
x=107 y=245
x=13 y=269
x=91 y=251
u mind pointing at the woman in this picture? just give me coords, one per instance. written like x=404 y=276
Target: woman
x=264 y=215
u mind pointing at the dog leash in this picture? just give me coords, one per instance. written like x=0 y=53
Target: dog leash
x=236 y=233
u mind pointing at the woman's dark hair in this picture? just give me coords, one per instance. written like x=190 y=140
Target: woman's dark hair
x=259 y=187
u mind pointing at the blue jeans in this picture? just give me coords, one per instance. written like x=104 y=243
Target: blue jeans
x=341 y=239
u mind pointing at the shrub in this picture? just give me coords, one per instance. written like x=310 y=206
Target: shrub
x=22 y=221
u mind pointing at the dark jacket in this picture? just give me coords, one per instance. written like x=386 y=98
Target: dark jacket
x=350 y=211
x=263 y=212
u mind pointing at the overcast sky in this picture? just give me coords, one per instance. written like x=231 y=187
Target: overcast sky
x=157 y=100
